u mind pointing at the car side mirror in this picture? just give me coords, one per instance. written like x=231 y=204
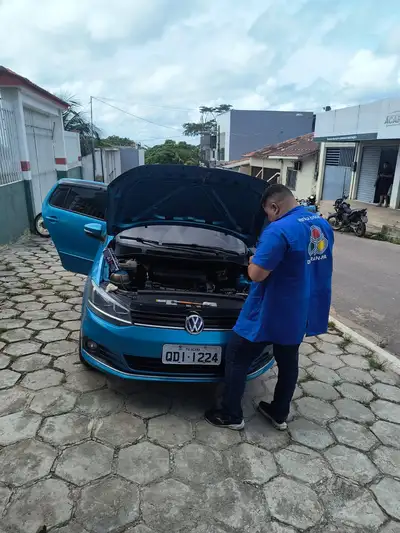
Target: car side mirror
x=94 y=230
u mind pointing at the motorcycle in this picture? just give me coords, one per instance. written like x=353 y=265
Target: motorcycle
x=346 y=218
x=310 y=203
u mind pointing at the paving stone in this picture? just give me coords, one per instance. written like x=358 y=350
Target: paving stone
x=72 y=325
x=237 y=506
x=42 y=379
x=387 y=433
x=331 y=338
x=4 y=360
x=51 y=335
x=85 y=381
x=387 y=459
x=50 y=299
x=53 y=401
x=351 y=464
x=259 y=431
x=43 y=325
x=74 y=336
x=12 y=400
x=71 y=527
x=75 y=301
x=356 y=349
x=353 y=411
x=120 y=429
x=100 y=403
x=293 y=503
x=328 y=348
x=59 y=348
x=18 y=349
x=250 y=464
x=356 y=361
x=8 y=378
x=310 y=434
x=11 y=323
x=58 y=306
x=320 y=390
x=355 y=392
x=148 y=405
x=355 y=375
x=304 y=361
x=29 y=306
x=171 y=506
x=218 y=438
x=193 y=406
x=384 y=376
x=315 y=409
x=26 y=461
x=303 y=464
x=279 y=528
x=306 y=349
x=386 y=410
x=143 y=462
x=108 y=505
x=16 y=335
x=84 y=462
x=204 y=528
x=198 y=464
x=386 y=392
x=69 y=363
x=18 y=426
x=326 y=375
x=387 y=492
x=39 y=314
x=68 y=428
x=8 y=313
x=169 y=430
x=68 y=292
x=5 y=495
x=65 y=316
x=353 y=434
x=391 y=527
x=351 y=505
x=30 y=363
x=326 y=360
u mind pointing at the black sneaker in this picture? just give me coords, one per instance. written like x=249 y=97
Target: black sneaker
x=265 y=410
x=216 y=417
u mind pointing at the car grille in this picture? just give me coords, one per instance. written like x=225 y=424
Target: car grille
x=175 y=318
x=153 y=365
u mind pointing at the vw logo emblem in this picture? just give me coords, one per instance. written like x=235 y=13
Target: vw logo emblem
x=194 y=324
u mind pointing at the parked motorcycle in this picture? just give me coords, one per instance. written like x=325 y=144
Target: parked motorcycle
x=310 y=203
x=346 y=218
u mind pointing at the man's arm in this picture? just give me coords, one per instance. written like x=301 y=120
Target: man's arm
x=269 y=254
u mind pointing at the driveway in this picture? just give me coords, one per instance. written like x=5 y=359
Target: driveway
x=80 y=452
x=366 y=288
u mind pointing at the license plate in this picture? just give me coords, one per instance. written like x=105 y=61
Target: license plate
x=364 y=218
x=176 y=354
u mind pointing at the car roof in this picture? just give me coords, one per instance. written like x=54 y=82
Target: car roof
x=85 y=183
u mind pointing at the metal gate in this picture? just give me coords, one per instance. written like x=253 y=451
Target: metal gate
x=368 y=173
x=39 y=133
x=10 y=166
x=338 y=169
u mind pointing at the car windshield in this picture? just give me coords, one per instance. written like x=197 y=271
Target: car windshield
x=185 y=236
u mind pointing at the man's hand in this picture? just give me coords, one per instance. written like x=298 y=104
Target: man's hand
x=251 y=259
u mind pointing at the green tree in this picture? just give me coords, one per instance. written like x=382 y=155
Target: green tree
x=208 y=123
x=76 y=120
x=115 y=140
x=173 y=153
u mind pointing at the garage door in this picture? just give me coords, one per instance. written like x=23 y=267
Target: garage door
x=368 y=173
x=39 y=132
x=338 y=169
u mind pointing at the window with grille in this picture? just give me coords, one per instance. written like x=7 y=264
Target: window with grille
x=291 y=178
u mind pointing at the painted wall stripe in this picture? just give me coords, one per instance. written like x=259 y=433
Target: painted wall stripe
x=61 y=160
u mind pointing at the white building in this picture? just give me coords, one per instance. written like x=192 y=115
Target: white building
x=292 y=162
x=355 y=143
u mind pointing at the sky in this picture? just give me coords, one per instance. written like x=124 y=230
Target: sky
x=161 y=59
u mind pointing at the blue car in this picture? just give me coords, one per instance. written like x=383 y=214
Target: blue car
x=165 y=249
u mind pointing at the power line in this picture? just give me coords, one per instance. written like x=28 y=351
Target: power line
x=150 y=105
x=136 y=116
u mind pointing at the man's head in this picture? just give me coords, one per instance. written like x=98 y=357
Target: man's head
x=277 y=200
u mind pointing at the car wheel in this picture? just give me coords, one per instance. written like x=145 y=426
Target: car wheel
x=40 y=228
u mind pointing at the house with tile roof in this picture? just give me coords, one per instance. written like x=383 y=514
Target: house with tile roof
x=293 y=162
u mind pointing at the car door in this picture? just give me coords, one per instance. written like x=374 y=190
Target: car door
x=66 y=210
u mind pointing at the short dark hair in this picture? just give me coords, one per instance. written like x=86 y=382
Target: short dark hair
x=276 y=192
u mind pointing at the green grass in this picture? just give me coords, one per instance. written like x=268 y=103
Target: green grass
x=374 y=364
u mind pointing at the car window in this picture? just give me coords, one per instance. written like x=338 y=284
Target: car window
x=88 y=201
x=59 y=195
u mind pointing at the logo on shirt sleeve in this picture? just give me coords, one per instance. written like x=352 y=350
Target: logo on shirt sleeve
x=318 y=245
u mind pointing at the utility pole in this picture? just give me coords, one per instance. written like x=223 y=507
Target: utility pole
x=218 y=142
x=92 y=132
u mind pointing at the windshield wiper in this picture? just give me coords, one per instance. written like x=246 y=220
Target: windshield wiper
x=201 y=248
x=140 y=239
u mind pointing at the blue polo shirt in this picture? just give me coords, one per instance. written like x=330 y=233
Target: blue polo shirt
x=295 y=298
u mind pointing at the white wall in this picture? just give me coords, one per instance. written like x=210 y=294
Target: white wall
x=72 y=148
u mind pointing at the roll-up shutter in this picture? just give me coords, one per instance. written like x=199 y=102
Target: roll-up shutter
x=368 y=173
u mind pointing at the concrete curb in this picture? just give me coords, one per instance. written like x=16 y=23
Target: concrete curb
x=391 y=361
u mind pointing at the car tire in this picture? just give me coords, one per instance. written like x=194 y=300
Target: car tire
x=40 y=228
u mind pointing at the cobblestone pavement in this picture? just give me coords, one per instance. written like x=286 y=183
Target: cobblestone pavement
x=83 y=453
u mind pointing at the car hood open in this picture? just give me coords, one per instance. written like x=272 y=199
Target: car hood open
x=223 y=199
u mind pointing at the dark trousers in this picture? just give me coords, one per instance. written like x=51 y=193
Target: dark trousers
x=239 y=355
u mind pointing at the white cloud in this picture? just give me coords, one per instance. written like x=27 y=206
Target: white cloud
x=150 y=57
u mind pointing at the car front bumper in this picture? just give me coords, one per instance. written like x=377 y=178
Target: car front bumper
x=134 y=352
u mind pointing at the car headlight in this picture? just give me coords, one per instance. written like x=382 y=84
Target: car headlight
x=105 y=306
